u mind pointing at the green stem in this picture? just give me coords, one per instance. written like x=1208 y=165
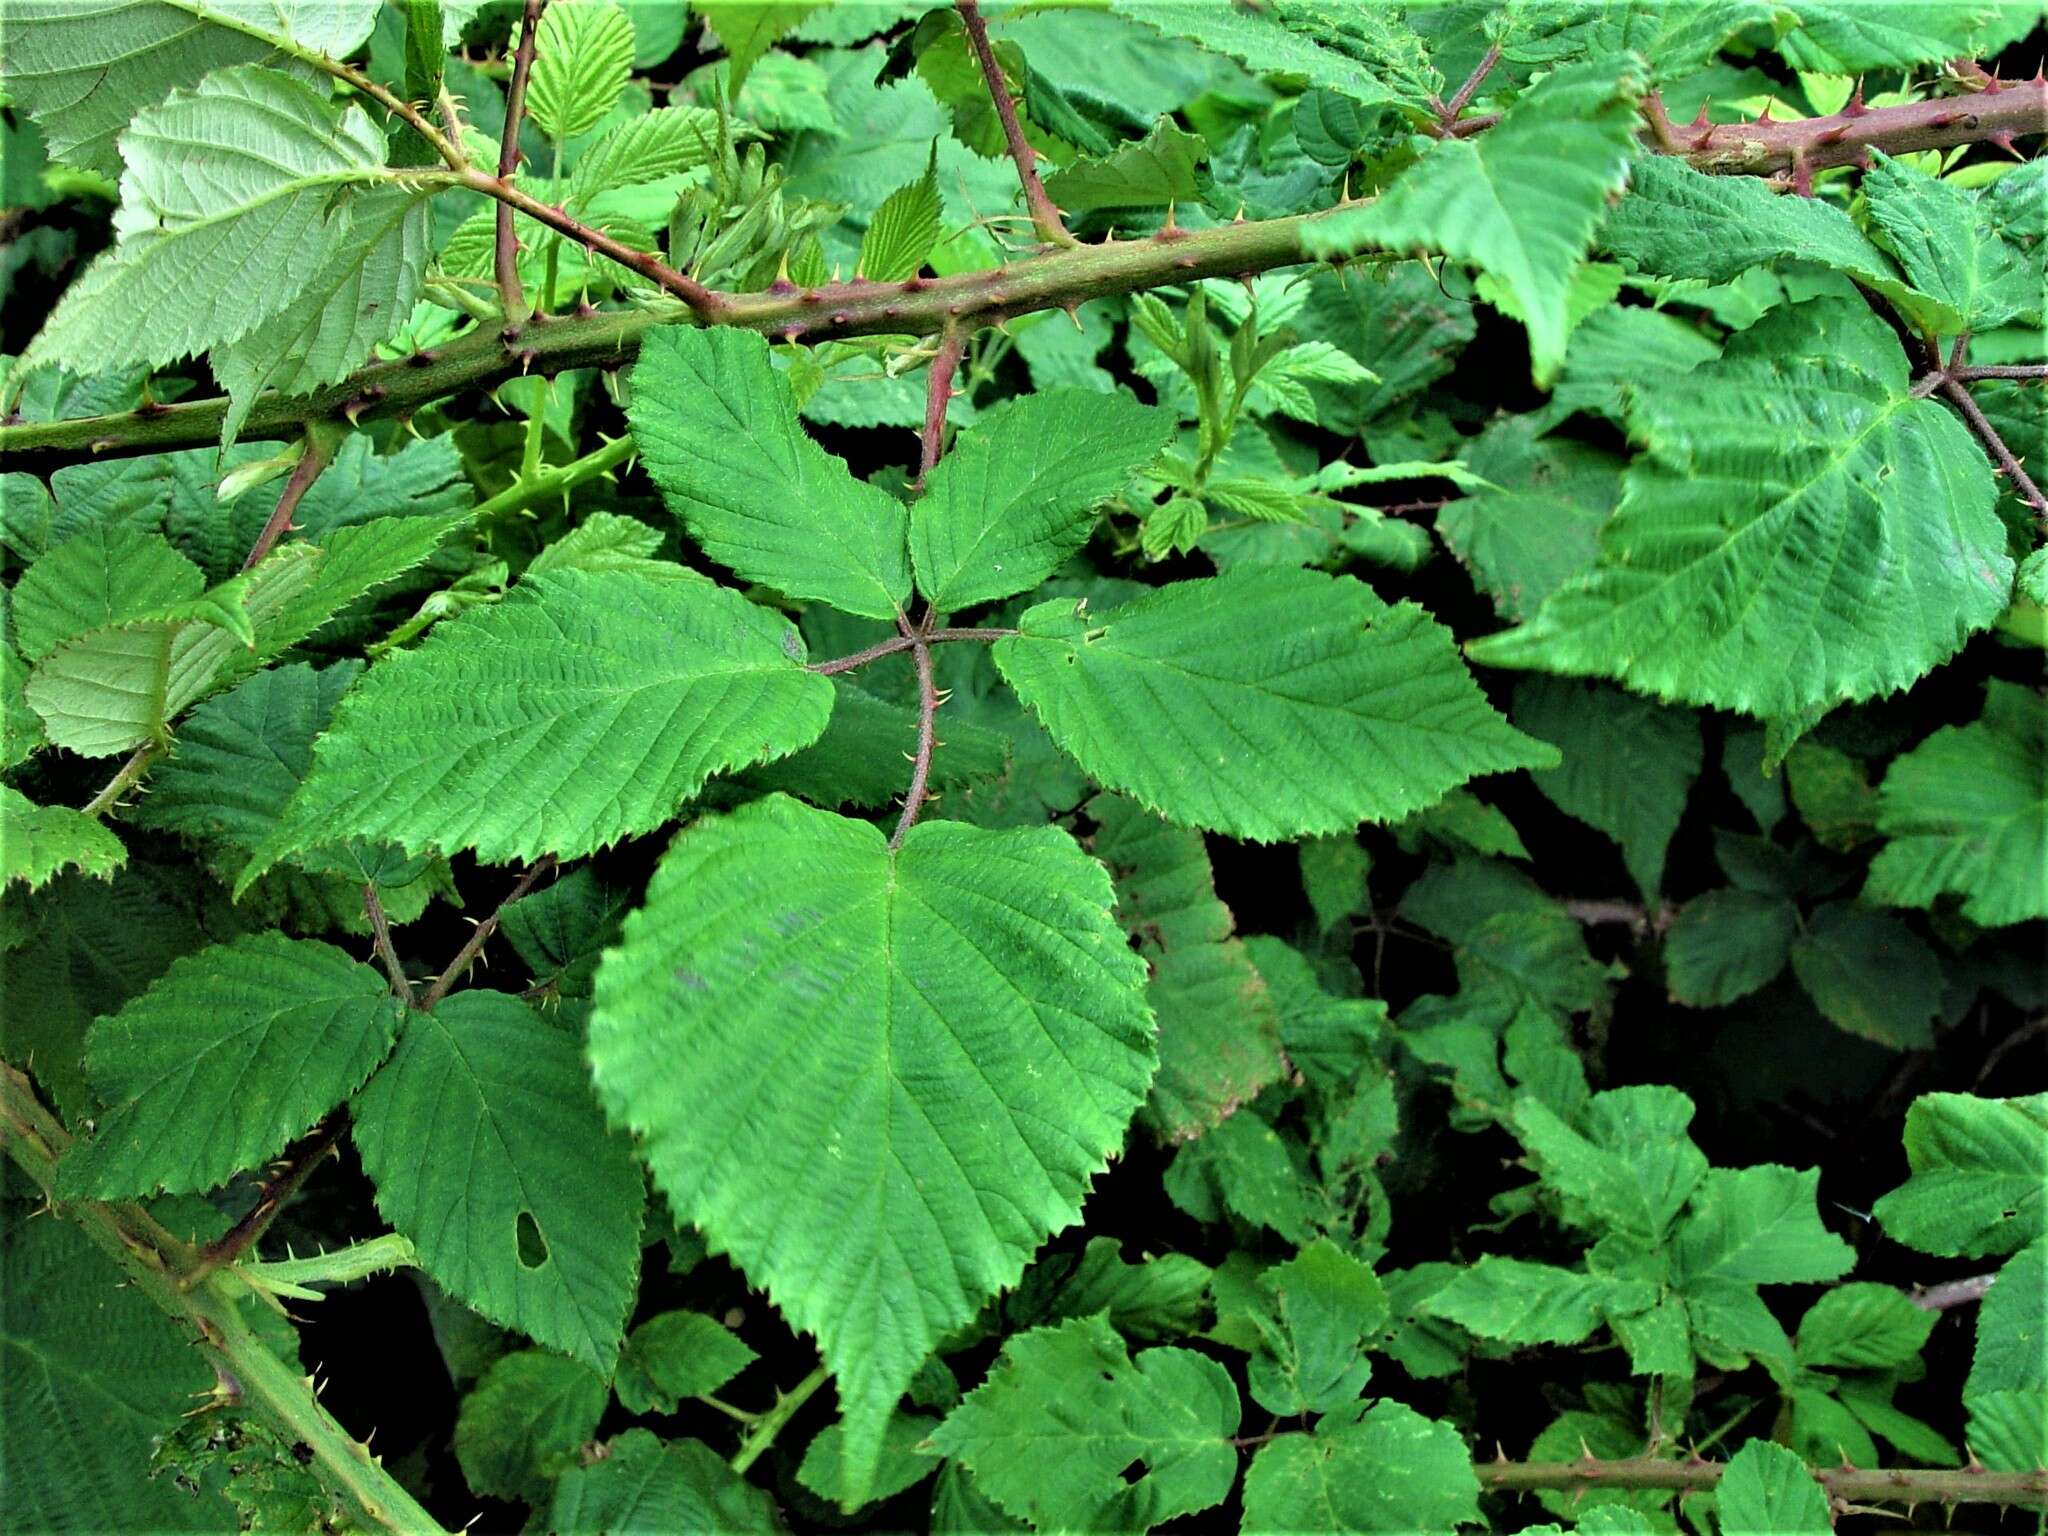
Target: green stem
x=155 y=1263
x=1974 y=1484
x=296 y=1277
x=125 y=779
x=770 y=1423
x=531 y=490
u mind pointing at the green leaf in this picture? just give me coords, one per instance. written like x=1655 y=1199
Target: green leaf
x=1980 y=1167
x=487 y=1150
x=83 y=69
x=1628 y=765
x=1159 y=1298
x=1243 y=1167
x=1139 y=173
x=1383 y=62
x=859 y=759
x=1018 y=493
x=903 y=1464
x=1945 y=240
x=717 y=429
x=1521 y=201
x=1539 y=524
x=960 y=1042
x=1862 y=1327
x=676 y=1355
x=1726 y=944
x=1266 y=703
x=524 y=1421
x=1870 y=974
x=1067 y=1411
x=250 y=170
x=644 y=1485
x=665 y=142
x=900 y=237
x=2007 y=1392
x=1767 y=1491
x=1966 y=813
x=40 y=842
x=1847 y=37
x=582 y=709
x=1800 y=532
x=583 y=55
x=1634 y=1167
x=748 y=28
x=21 y=728
x=1684 y=223
x=103 y=575
x=1319 y=1307
x=1389 y=1471
x=560 y=931
x=1518 y=1302
x=1758 y=1226
x=234 y=1051
x=92 y=1376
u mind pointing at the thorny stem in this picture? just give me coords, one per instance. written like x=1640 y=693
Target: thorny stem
x=1043 y=214
x=152 y=1260
x=380 y=930
x=1952 y=1293
x=482 y=936
x=927 y=721
x=769 y=1425
x=1959 y=396
x=1448 y=111
x=124 y=780
x=312 y=461
x=510 y=294
x=938 y=393
x=1859 y=1485
x=276 y=1194
x=1974 y=372
x=896 y=644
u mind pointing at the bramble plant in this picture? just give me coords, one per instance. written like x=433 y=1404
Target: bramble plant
x=948 y=706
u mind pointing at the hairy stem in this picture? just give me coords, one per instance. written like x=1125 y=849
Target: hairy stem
x=1051 y=228
x=1958 y=395
x=506 y=252
x=316 y=457
x=1856 y=1485
x=482 y=935
x=276 y=1194
x=770 y=1423
x=937 y=394
x=927 y=739
x=124 y=779
x=1974 y=372
x=387 y=955
x=295 y=1277
x=209 y=1314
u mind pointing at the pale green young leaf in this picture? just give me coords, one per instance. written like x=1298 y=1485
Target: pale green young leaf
x=1863 y=1327
x=1726 y=944
x=487 y=1150
x=903 y=1465
x=1847 y=37
x=964 y=1006
x=2007 y=1391
x=900 y=237
x=1632 y=1169
x=1628 y=766
x=1139 y=173
x=1019 y=491
x=1387 y=1470
x=1767 y=1491
x=104 y=574
x=1522 y=201
x=1319 y=1307
x=1684 y=223
x=1758 y=1226
x=748 y=28
x=582 y=58
x=1266 y=703
x=524 y=1421
x=655 y=145
x=1067 y=1410
x=717 y=429
x=80 y=1430
x=40 y=842
x=234 y=1052
x=1966 y=813
x=1979 y=1180
x=1800 y=532
x=1518 y=1302
x=83 y=69
x=1871 y=974
x=647 y=1485
x=1949 y=247
x=582 y=709
x=249 y=170
x=676 y=1355
x=608 y=541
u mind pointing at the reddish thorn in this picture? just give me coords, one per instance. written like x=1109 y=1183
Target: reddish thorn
x=526 y=360
x=782 y=285
x=1832 y=136
x=791 y=332
x=426 y=357
x=509 y=335
x=1185 y=261
x=1704 y=139
x=1802 y=177
x=1944 y=119
x=841 y=316
x=914 y=284
x=150 y=408
x=1993 y=85
x=1701 y=120
x=1855 y=108
x=2003 y=139
x=811 y=296
x=892 y=310
x=585 y=309
x=1765 y=115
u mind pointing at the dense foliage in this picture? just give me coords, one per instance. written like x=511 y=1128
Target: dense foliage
x=1268 y=766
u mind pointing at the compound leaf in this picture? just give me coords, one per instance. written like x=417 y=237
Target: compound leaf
x=1267 y=703
x=959 y=1041
x=2007 y=1392
x=487 y=1150
x=1726 y=944
x=644 y=1484
x=1871 y=974
x=1314 y=1315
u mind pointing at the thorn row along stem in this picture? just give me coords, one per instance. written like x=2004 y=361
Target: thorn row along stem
x=1051 y=228
x=925 y=306
x=897 y=644
x=1974 y=1484
x=482 y=935
x=505 y=252
x=277 y=1193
